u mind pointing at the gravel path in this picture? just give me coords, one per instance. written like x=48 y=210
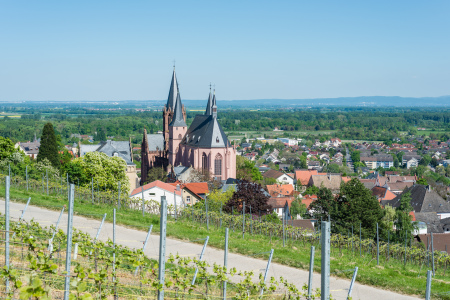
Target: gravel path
x=134 y=239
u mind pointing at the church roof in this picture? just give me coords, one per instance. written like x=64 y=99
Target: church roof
x=177 y=119
x=205 y=132
x=155 y=142
x=173 y=92
x=209 y=106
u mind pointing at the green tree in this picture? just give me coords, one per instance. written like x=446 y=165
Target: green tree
x=6 y=148
x=298 y=208
x=156 y=174
x=311 y=190
x=106 y=171
x=217 y=199
x=322 y=207
x=49 y=146
x=356 y=205
x=356 y=156
x=403 y=221
x=422 y=181
x=101 y=135
x=245 y=169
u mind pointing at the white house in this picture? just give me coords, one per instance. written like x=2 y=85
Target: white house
x=156 y=189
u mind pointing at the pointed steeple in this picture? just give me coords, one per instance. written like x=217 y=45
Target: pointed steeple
x=208 y=111
x=173 y=92
x=214 y=99
x=214 y=106
x=178 y=120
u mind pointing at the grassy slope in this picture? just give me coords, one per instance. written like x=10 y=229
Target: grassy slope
x=392 y=275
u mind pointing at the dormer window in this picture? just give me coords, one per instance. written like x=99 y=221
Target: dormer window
x=217 y=139
x=115 y=154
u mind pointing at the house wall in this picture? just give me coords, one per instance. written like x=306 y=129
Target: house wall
x=285 y=179
x=132 y=177
x=192 y=197
x=155 y=194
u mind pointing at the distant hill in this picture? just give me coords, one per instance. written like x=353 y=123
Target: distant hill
x=372 y=101
x=378 y=101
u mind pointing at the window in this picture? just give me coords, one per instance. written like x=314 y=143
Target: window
x=188 y=199
x=204 y=162
x=218 y=165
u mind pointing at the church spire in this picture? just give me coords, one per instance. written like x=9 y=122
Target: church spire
x=214 y=106
x=178 y=120
x=173 y=92
x=208 y=111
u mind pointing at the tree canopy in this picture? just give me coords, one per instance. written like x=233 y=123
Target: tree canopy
x=49 y=147
x=106 y=171
x=253 y=194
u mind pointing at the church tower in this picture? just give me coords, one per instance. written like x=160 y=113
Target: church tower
x=177 y=130
x=169 y=109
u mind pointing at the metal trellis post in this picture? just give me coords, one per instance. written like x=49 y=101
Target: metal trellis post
x=267 y=268
x=25 y=209
x=428 y=288
x=325 y=267
x=200 y=259
x=243 y=219
x=145 y=245
x=8 y=183
x=225 y=263
x=432 y=254
x=162 y=247
x=26 y=175
x=143 y=202
x=360 y=246
x=311 y=272
x=57 y=223
x=92 y=189
x=351 y=283
x=378 y=247
x=69 y=241
x=118 y=200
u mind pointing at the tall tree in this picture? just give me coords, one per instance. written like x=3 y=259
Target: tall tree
x=356 y=205
x=49 y=146
x=403 y=222
x=101 y=135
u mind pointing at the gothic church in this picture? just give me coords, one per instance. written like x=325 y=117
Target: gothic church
x=203 y=146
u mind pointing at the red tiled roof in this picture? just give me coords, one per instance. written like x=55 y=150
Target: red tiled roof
x=413 y=215
x=279 y=202
x=280 y=189
x=162 y=185
x=308 y=199
x=304 y=175
x=346 y=179
x=197 y=187
x=382 y=193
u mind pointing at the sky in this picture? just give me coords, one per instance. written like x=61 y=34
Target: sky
x=124 y=50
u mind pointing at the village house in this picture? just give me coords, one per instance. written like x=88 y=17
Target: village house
x=279 y=176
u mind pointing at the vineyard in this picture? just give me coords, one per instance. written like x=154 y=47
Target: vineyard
x=36 y=271
x=407 y=256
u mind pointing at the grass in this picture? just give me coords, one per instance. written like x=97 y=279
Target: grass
x=390 y=275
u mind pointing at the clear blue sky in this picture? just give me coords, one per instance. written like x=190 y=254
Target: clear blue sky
x=123 y=50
